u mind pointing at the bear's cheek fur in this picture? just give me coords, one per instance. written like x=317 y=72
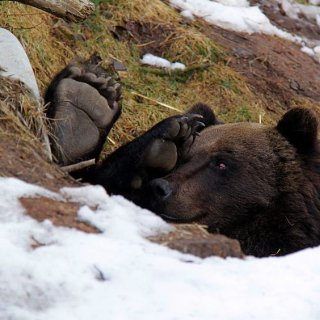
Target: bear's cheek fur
x=219 y=204
x=222 y=197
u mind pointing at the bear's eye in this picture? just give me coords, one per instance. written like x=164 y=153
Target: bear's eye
x=218 y=164
x=221 y=166
x=221 y=162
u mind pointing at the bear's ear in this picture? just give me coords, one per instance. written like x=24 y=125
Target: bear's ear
x=300 y=127
x=209 y=118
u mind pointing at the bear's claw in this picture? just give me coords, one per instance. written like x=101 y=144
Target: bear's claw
x=106 y=86
x=190 y=127
x=182 y=127
x=174 y=142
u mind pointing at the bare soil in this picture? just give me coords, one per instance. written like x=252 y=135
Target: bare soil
x=60 y=213
x=24 y=161
x=275 y=68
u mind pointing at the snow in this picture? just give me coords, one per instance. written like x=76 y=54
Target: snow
x=294 y=10
x=14 y=62
x=118 y=274
x=240 y=16
x=155 y=61
x=232 y=15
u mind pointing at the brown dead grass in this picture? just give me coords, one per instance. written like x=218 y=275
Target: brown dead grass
x=19 y=111
x=51 y=44
x=22 y=154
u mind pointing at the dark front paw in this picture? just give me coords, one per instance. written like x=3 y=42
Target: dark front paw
x=173 y=138
x=182 y=130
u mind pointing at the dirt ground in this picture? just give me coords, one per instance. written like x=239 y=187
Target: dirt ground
x=277 y=70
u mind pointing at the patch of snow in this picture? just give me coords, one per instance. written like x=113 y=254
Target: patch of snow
x=316 y=51
x=308 y=51
x=234 y=3
x=239 y=16
x=137 y=222
x=155 y=61
x=318 y=20
x=119 y=275
x=294 y=10
x=234 y=17
x=187 y=14
x=313 y=52
x=14 y=62
x=177 y=65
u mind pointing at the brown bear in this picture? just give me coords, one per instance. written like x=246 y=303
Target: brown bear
x=258 y=184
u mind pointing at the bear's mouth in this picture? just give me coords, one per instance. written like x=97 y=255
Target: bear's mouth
x=194 y=218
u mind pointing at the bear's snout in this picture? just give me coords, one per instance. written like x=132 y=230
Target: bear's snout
x=160 y=189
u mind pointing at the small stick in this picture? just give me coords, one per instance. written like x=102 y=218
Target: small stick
x=112 y=141
x=155 y=101
x=78 y=166
x=145 y=44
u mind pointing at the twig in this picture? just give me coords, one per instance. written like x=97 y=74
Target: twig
x=155 y=101
x=112 y=141
x=78 y=166
x=145 y=44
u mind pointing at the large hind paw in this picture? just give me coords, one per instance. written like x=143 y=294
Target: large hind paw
x=104 y=84
x=84 y=106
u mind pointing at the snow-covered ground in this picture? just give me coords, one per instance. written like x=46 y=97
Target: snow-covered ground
x=239 y=15
x=119 y=275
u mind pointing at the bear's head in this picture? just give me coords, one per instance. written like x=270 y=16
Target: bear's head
x=255 y=183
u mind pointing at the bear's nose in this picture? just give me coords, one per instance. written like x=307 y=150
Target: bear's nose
x=161 y=188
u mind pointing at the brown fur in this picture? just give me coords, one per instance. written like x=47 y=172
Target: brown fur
x=267 y=197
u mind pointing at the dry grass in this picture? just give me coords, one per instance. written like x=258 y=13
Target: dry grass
x=142 y=10
x=19 y=111
x=52 y=43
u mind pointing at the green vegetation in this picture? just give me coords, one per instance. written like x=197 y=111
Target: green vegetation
x=243 y=114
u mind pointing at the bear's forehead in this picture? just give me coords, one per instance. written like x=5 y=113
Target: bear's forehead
x=233 y=137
